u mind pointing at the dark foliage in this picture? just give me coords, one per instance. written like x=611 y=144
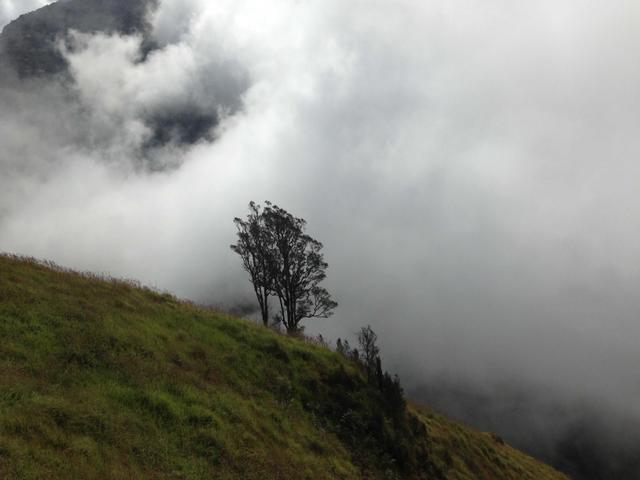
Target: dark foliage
x=368 y=339
x=285 y=262
x=252 y=246
x=375 y=409
x=374 y=424
x=345 y=349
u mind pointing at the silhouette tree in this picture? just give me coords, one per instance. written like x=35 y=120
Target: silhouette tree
x=368 y=339
x=252 y=246
x=285 y=262
x=389 y=387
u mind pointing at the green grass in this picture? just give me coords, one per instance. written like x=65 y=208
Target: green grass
x=103 y=379
x=468 y=454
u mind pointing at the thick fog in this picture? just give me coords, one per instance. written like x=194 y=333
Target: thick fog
x=471 y=167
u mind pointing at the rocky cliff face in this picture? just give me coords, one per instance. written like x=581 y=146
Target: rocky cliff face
x=28 y=44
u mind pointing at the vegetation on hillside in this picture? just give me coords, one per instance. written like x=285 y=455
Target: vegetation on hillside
x=102 y=379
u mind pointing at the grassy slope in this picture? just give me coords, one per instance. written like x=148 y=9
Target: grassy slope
x=102 y=379
x=472 y=455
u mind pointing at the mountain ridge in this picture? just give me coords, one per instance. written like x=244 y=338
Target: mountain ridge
x=28 y=44
x=30 y=52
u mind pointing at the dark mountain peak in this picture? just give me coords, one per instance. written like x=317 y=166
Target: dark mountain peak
x=29 y=48
x=28 y=44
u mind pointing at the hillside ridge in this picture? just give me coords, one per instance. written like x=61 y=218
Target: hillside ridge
x=104 y=378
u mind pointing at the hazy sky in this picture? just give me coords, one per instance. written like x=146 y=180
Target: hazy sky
x=12 y=9
x=471 y=167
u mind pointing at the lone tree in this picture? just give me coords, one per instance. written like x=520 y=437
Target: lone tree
x=285 y=262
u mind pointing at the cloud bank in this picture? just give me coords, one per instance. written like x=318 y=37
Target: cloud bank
x=471 y=169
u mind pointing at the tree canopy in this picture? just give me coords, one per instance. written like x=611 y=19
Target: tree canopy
x=283 y=262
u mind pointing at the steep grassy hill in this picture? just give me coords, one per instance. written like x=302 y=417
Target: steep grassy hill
x=101 y=379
